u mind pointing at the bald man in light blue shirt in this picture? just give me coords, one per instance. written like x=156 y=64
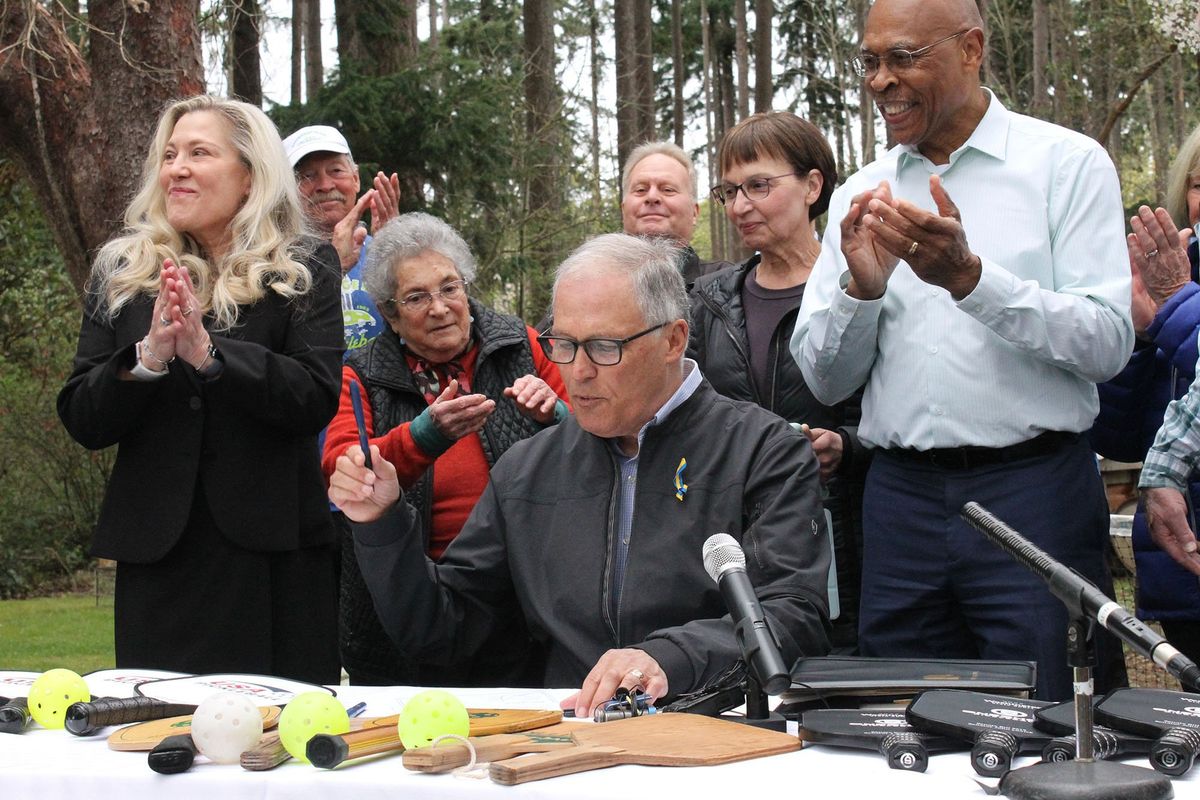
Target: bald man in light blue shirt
x=980 y=326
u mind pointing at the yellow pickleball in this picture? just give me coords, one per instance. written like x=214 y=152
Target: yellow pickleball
x=53 y=693
x=308 y=714
x=430 y=714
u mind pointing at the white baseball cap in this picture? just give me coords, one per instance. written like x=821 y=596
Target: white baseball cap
x=314 y=139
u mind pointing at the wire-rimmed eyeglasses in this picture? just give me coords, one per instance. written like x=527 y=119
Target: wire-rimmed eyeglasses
x=451 y=292
x=867 y=63
x=756 y=188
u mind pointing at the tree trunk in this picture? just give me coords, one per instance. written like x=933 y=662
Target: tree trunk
x=376 y=37
x=246 y=75
x=644 y=71
x=742 y=54
x=433 y=24
x=542 y=166
x=989 y=79
x=624 y=40
x=1040 y=101
x=764 y=90
x=314 y=68
x=866 y=108
x=677 y=122
x=1156 y=99
x=594 y=106
x=80 y=126
x=717 y=252
x=297 y=52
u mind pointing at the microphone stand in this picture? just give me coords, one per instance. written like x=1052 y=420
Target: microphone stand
x=758 y=708
x=1084 y=778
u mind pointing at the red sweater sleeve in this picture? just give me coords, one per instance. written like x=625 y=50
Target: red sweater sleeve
x=547 y=370
x=396 y=446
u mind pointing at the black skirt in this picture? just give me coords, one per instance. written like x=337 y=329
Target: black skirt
x=211 y=606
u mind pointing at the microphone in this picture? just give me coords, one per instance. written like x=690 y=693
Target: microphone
x=725 y=563
x=1083 y=599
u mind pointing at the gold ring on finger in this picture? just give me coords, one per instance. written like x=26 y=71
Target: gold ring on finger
x=187 y=311
x=912 y=251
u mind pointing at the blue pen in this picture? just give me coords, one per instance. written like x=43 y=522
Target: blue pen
x=356 y=709
x=356 y=401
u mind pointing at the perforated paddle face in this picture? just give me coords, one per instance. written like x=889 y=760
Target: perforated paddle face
x=101 y=683
x=864 y=729
x=964 y=715
x=261 y=689
x=1149 y=712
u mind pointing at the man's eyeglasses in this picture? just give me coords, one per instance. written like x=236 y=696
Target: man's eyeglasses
x=866 y=63
x=602 y=352
x=310 y=176
x=754 y=189
x=451 y=292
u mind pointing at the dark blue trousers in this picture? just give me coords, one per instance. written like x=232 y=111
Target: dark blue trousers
x=934 y=587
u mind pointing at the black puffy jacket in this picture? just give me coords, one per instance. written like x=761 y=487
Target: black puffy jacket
x=719 y=345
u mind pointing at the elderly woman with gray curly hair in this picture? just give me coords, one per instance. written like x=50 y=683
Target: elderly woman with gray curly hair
x=447 y=387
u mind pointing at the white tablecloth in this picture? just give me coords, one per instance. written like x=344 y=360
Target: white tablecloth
x=44 y=764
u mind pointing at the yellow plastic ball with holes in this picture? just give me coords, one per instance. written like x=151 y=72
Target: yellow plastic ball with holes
x=430 y=714
x=306 y=715
x=53 y=693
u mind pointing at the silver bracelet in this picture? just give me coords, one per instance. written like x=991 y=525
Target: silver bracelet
x=144 y=345
x=141 y=371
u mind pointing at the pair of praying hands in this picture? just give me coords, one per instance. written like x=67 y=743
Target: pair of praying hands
x=177 y=325
x=384 y=202
x=880 y=230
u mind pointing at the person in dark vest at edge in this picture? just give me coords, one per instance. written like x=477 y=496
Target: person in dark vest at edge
x=448 y=387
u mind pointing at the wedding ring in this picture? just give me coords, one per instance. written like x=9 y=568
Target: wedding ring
x=164 y=321
x=1153 y=253
x=637 y=675
x=912 y=251
x=187 y=311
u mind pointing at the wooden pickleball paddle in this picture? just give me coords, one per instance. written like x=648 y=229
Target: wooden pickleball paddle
x=145 y=736
x=998 y=727
x=328 y=750
x=1109 y=743
x=1172 y=719
x=887 y=732
x=448 y=755
x=174 y=697
x=668 y=740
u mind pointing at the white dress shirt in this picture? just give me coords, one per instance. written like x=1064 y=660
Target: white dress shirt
x=1021 y=353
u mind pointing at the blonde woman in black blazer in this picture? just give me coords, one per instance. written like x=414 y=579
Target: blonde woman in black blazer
x=210 y=354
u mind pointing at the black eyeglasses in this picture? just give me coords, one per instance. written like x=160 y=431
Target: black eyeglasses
x=866 y=63
x=602 y=352
x=754 y=189
x=451 y=292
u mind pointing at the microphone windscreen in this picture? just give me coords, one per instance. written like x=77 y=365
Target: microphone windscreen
x=721 y=552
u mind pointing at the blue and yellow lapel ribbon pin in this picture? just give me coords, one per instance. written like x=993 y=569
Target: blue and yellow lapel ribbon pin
x=680 y=487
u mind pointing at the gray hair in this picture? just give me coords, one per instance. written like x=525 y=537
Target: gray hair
x=406 y=236
x=650 y=263
x=669 y=149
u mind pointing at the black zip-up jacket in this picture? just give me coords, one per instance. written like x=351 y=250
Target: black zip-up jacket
x=539 y=544
x=719 y=345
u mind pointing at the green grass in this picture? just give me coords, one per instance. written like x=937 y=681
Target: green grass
x=67 y=631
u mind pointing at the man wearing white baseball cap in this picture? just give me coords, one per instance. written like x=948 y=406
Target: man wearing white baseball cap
x=329 y=182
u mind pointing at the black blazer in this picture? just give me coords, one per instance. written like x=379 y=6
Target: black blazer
x=248 y=437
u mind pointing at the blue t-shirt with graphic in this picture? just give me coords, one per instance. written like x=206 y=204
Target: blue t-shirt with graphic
x=360 y=318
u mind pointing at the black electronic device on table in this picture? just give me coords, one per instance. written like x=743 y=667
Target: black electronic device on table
x=885 y=731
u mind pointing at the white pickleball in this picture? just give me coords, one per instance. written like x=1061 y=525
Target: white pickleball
x=226 y=725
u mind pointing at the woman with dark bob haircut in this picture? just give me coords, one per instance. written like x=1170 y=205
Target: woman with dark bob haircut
x=777 y=174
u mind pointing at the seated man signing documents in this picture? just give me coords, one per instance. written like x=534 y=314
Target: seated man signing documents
x=593 y=529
